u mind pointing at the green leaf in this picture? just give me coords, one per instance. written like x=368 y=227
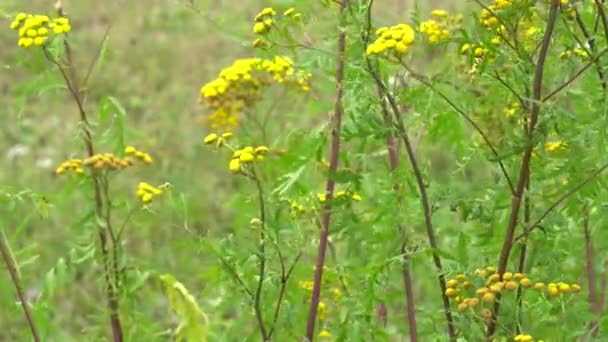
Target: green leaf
x=194 y=323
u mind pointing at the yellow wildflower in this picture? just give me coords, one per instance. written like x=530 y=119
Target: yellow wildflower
x=324 y=333
x=554 y=146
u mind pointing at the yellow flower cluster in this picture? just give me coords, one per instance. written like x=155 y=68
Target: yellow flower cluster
x=467 y=296
x=396 y=39
x=34 y=30
x=70 y=165
x=511 y=110
x=525 y=338
x=554 y=146
x=220 y=139
x=438 y=28
x=296 y=208
x=264 y=21
x=488 y=18
x=341 y=195
x=147 y=192
x=578 y=52
x=107 y=161
x=324 y=333
x=246 y=156
x=479 y=51
x=239 y=86
x=142 y=156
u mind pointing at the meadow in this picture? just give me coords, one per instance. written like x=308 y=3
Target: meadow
x=331 y=170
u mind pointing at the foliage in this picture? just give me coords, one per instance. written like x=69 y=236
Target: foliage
x=455 y=191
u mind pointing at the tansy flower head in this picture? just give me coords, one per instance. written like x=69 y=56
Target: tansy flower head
x=554 y=146
x=245 y=156
x=324 y=333
x=219 y=139
x=34 y=30
x=147 y=192
x=140 y=155
x=395 y=39
x=107 y=161
x=240 y=86
x=74 y=165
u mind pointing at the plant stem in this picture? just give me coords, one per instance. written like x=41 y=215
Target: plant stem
x=423 y=199
x=12 y=269
x=521 y=268
x=262 y=266
x=393 y=158
x=333 y=167
x=562 y=198
x=591 y=42
x=71 y=80
x=524 y=171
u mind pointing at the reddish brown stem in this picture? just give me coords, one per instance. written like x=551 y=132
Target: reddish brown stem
x=71 y=80
x=12 y=269
x=329 y=189
x=524 y=171
x=393 y=158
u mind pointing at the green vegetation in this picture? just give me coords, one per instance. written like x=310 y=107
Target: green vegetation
x=292 y=170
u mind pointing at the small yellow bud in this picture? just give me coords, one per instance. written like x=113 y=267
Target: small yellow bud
x=553 y=290
x=525 y=282
x=485 y=314
x=261 y=150
x=209 y=139
x=489 y=297
x=473 y=302
x=450 y=292
x=482 y=291
x=564 y=288
x=235 y=165
x=246 y=157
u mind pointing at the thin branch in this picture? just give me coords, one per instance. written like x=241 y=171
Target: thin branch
x=599 y=5
x=262 y=259
x=562 y=198
x=423 y=199
x=95 y=59
x=236 y=277
x=520 y=98
x=71 y=81
x=12 y=269
x=591 y=42
x=524 y=171
x=393 y=159
x=333 y=167
x=284 y=279
x=575 y=76
x=424 y=80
